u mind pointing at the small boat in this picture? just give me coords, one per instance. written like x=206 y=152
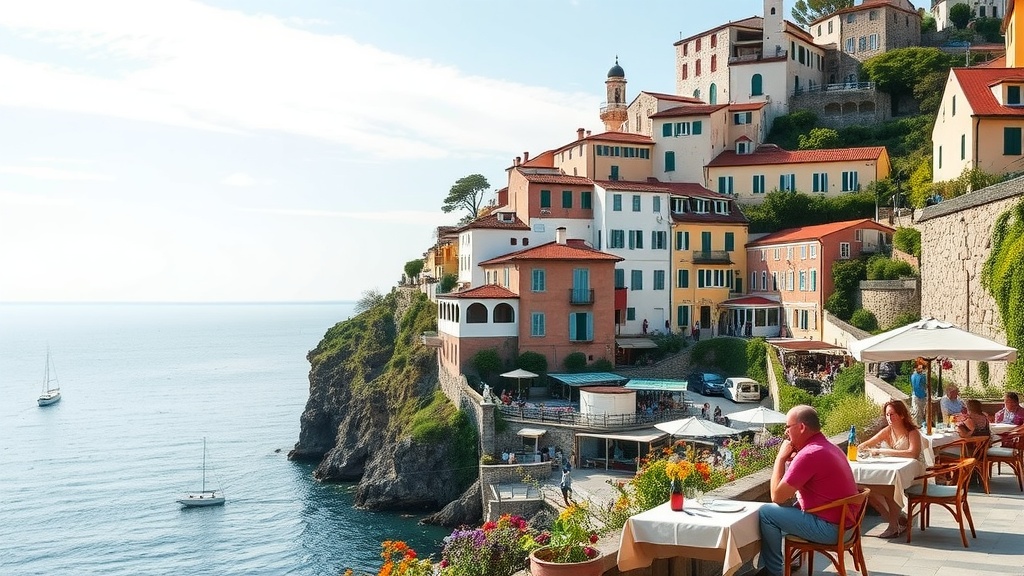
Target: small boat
x=51 y=386
x=204 y=497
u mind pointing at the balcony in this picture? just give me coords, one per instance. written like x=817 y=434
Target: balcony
x=843 y=87
x=431 y=340
x=711 y=257
x=579 y=297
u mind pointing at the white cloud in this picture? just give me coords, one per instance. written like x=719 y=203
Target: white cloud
x=182 y=63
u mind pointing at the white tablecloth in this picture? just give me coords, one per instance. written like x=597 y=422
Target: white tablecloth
x=939 y=438
x=888 y=471
x=664 y=533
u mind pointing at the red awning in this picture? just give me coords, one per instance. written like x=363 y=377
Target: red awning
x=751 y=302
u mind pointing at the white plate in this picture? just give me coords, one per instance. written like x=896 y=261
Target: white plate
x=724 y=506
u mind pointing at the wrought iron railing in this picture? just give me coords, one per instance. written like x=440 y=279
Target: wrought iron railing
x=580 y=297
x=711 y=257
x=570 y=417
x=841 y=87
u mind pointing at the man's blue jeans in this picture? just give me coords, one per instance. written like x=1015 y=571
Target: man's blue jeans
x=777 y=521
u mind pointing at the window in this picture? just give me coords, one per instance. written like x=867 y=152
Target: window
x=819 y=29
x=940 y=156
x=803 y=319
x=696 y=45
x=851 y=18
x=789 y=253
x=953 y=113
x=620 y=278
x=851 y=45
x=581 y=327
x=684 y=73
x=873 y=42
x=862 y=43
x=700 y=206
x=819 y=181
x=566 y=198
x=696 y=68
x=775 y=281
x=538 y=282
x=1012 y=95
x=686 y=49
x=722 y=206
x=803 y=251
x=764 y=254
x=636 y=203
x=678 y=205
x=756 y=85
x=545 y=198
x=615 y=173
x=758 y=183
x=742 y=117
x=844 y=250
x=587 y=200
x=682 y=240
x=764 y=281
x=787 y=182
x=714 y=62
x=725 y=184
x=636 y=280
x=814 y=280
x=616 y=202
x=617 y=239
x=753 y=280
x=659 y=279
x=659 y=240
x=657 y=204
x=963 y=146
x=537 y=324
x=636 y=239
x=873 y=15
x=850 y=183
x=778 y=252
x=666 y=129
x=682 y=278
x=670 y=161
x=714 y=40
x=789 y=280
x=814 y=251
x=683 y=315
x=829 y=26
x=705 y=241
x=630 y=313
x=730 y=241
x=712 y=96
x=803 y=281
x=1011 y=141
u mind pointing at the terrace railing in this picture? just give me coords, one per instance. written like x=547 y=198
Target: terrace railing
x=568 y=416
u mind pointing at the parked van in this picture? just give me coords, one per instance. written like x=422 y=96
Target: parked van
x=742 y=390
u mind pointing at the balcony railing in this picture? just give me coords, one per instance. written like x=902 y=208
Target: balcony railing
x=569 y=416
x=842 y=87
x=431 y=340
x=711 y=257
x=579 y=297
x=754 y=57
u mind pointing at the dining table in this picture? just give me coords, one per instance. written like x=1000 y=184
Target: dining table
x=947 y=435
x=887 y=475
x=727 y=531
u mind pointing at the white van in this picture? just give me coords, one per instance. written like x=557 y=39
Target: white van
x=742 y=390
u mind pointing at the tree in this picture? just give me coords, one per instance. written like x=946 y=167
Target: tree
x=960 y=15
x=819 y=138
x=899 y=71
x=448 y=281
x=369 y=300
x=467 y=193
x=807 y=11
x=413 y=268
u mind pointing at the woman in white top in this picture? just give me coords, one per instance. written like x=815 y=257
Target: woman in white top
x=900 y=438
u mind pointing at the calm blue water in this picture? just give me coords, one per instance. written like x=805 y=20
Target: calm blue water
x=87 y=486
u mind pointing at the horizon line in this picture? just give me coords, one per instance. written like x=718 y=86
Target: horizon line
x=169 y=302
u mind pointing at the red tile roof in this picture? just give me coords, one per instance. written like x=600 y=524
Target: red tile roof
x=744 y=139
x=620 y=137
x=557 y=179
x=977 y=86
x=999 y=62
x=674 y=97
x=700 y=110
x=747 y=106
x=492 y=222
x=771 y=154
x=480 y=292
x=817 y=232
x=751 y=301
x=571 y=250
x=753 y=22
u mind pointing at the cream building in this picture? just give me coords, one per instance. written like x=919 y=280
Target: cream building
x=980 y=9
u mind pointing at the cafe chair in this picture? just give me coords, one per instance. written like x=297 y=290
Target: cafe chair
x=971 y=447
x=852 y=509
x=922 y=495
x=1009 y=452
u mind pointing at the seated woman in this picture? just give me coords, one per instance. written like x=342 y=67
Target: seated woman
x=974 y=422
x=900 y=438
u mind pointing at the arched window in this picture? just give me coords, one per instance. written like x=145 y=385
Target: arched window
x=476 y=314
x=756 y=88
x=504 y=314
x=773 y=10
x=713 y=94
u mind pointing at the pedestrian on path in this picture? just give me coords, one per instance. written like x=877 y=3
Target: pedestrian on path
x=566 y=485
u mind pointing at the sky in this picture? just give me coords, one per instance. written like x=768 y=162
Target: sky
x=285 y=150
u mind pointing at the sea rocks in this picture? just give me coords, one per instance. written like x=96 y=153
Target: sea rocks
x=467 y=509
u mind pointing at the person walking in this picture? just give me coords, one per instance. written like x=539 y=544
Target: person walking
x=919 y=394
x=566 y=485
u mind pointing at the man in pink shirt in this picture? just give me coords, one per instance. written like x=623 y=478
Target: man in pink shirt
x=814 y=470
x=1012 y=412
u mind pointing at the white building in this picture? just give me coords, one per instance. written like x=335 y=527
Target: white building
x=980 y=9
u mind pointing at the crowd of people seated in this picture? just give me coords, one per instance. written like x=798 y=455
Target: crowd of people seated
x=650 y=402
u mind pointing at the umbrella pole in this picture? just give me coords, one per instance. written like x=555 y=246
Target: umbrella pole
x=928 y=398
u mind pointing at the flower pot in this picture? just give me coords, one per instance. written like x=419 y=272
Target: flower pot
x=541 y=566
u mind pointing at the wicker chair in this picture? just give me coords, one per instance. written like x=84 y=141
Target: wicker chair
x=921 y=496
x=852 y=510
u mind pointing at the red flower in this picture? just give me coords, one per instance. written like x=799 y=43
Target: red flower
x=590 y=552
x=593 y=538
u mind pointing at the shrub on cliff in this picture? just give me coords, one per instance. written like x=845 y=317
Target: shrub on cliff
x=575 y=362
x=726 y=354
x=864 y=320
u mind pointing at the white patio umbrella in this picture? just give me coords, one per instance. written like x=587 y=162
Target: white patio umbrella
x=694 y=427
x=519 y=374
x=760 y=415
x=929 y=338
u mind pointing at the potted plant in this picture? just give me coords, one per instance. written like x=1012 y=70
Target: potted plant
x=495 y=549
x=568 y=548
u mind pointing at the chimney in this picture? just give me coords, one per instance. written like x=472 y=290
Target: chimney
x=579 y=133
x=517 y=161
x=588 y=133
x=526 y=157
x=560 y=235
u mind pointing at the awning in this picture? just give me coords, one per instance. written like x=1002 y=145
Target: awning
x=806 y=346
x=660 y=385
x=588 y=378
x=751 y=302
x=645 y=435
x=635 y=343
x=531 y=432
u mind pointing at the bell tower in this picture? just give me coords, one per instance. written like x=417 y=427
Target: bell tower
x=772 y=33
x=613 y=112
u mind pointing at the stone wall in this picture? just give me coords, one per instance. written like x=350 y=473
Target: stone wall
x=842 y=108
x=461 y=394
x=510 y=474
x=835 y=331
x=887 y=299
x=956 y=240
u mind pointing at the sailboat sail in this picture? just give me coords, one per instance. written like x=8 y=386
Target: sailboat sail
x=51 y=386
x=204 y=497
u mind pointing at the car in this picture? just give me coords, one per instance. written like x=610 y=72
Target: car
x=706 y=383
x=739 y=389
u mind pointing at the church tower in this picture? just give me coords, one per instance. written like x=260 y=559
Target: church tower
x=772 y=33
x=614 y=113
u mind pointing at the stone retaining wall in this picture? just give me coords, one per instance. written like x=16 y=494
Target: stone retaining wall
x=887 y=299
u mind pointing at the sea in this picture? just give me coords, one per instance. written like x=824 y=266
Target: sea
x=88 y=485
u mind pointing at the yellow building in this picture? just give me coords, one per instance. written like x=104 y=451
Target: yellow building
x=709 y=260
x=829 y=172
x=1011 y=24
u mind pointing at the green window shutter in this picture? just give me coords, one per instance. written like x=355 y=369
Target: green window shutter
x=782 y=181
x=686 y=240
x=729 y=241
x=572 y=327
x=679 y=240
x=670 y=161
x=963 y=146
x=587 y=200
x=700 y=278
x=666 y=129
x=1013 y=94
x=545 y=198
x=620 y=278
x=705 y=241
x=679 y=316
x=1011 y=141
x=695 y=128
x=566 y=198
x=721 y=185
x=684 y=278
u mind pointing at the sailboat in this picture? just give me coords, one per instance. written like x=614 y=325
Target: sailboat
x=51 y=386
x=204 y=497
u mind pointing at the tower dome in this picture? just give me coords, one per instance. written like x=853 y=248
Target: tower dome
x=616 y=71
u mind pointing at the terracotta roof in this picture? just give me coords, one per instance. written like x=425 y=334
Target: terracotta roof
x=751 y=301
x=744 y=139
x=866 y=4
x=999 y=62
x=771 y=154
x=491 y=221
x=752 y=22
x=557 y=179
x=620 y=137
x=700 y=110
x=480 y=292
x=977 y=86
x=805 y=233
x=571 y=250
x=747 y=106
x=674 y=97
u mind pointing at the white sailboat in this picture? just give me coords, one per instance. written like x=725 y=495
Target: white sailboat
x=51 y=386
x=204 y=497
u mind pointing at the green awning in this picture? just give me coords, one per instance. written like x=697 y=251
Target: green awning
x=658 y=385
x=589 y=378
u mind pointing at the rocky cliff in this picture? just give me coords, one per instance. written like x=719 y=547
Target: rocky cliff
x=375 y=415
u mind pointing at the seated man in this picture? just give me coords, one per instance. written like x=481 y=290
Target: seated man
x=951 y=404
x=1012 y=412
x=817 y=473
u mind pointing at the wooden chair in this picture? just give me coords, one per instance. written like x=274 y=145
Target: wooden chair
x=922 y=495
x=852 y=510
x=1009 y=452
x=971 y=447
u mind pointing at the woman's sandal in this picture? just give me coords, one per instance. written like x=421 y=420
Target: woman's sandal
x=888 y=534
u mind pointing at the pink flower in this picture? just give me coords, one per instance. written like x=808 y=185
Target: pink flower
x=593 y=538
x=444 y=563
x=590 y=552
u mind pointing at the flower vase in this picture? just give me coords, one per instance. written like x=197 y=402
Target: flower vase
x=675 y=497
x=540 y=565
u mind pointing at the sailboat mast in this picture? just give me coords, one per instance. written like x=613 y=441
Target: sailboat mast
x=204 y=464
